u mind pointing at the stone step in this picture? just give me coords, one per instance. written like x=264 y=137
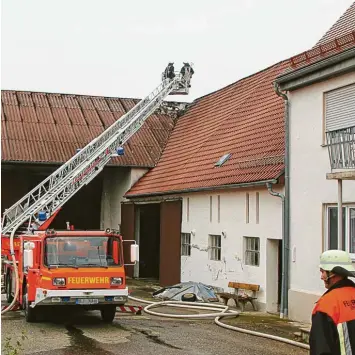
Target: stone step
x=305 y=334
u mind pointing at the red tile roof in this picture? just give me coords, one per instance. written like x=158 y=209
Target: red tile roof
x=344 y=25
x=43 y=127
x=323 y=51
x=245 y=119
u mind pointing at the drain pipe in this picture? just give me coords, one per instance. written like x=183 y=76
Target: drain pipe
x=286 y=240
x=284 y=251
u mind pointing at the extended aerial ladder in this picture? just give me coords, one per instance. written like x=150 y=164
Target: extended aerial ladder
x=41 y=204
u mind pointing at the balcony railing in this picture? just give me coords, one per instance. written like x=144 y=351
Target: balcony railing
x=341 y=147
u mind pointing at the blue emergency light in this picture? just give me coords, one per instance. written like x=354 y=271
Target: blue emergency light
x=42 y=216
x=120 y=151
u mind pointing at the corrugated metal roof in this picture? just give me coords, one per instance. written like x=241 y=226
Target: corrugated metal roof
x=245 y=119
x=344 y=25
x=45 y=127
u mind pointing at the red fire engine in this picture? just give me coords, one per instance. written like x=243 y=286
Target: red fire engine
x=43 y=267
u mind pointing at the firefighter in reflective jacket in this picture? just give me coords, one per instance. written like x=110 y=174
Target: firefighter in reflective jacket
x=333 y=317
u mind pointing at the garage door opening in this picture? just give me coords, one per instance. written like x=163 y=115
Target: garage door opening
x=149 y=240
x=82 y=210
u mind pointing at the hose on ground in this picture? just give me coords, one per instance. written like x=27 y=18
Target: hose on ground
x=224 y=312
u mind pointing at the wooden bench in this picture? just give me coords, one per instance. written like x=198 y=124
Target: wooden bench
x=241 y=294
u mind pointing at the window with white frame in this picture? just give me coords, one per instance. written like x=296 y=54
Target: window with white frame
x=339 y=108
x=331 y=228
x=252 y=251
x=186 y=244
x=214 y=247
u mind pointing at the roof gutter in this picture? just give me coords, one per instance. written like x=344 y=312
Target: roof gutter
x=293 y=80
x=201 y=189
x=56 y=164
x=286 y=209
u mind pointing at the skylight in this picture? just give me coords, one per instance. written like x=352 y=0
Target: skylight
x=223 y=159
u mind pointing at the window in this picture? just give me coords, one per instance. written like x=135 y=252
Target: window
x=82 y=251
x=186 y=244
x=331 y=226
x=188 y=209
x=219 y=208
x=352 y=231
x=223 y=159
x=247 y=208
x=252 y=251
x=214 y=247
x=257 y=204
x=211 y=208
x=339 y=108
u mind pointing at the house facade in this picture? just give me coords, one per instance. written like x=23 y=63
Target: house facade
x=321 y=94
x=234 y=235
x=220 y=168
x=224 y=224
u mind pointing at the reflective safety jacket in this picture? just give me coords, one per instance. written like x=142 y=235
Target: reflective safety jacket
x=333 y=321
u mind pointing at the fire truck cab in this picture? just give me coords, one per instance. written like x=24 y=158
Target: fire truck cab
x=68 y=268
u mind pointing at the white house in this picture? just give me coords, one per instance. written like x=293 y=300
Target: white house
x=234 y=235
x=321 y=95
x=223 y=161
x=222 y=169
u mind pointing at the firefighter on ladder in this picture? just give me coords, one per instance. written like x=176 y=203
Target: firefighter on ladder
x=187 y=72
x=333 y=317
x=169 y=72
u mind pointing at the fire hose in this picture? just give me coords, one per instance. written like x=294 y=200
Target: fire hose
x=17 y=281
x=222 y=312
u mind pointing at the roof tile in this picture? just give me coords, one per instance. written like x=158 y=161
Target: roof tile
x=323 y=51
x=245 y=119
x=344 y=25
x=43 y=127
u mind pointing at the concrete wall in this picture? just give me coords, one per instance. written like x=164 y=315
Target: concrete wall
x=116 y=182
x=309 y=192
x=232 y=220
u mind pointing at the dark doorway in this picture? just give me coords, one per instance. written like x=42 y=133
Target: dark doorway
x=82 y=210
x=149 y=240
x=279 y=274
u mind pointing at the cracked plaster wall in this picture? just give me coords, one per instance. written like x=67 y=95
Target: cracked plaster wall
x=231 y=267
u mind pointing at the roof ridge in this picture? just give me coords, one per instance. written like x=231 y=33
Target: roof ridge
x=80 y=95
x=244 y=78
x=323 y=50
x=69 y=94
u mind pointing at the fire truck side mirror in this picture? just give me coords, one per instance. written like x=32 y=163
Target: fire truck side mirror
x=28 y=254
x=134 y=253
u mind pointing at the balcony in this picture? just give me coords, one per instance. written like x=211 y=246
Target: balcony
x=341 y=148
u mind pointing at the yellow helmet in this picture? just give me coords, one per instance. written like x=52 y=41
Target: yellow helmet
x=337 y=261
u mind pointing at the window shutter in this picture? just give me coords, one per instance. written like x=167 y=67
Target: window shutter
x=340 y=108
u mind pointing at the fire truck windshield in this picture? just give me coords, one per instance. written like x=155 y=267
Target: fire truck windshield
x=82 y=251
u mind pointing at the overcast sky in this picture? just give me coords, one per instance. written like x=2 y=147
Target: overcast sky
x=119 y=48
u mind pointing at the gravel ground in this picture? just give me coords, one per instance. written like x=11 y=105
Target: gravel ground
x=83 y=333
x=71 y=331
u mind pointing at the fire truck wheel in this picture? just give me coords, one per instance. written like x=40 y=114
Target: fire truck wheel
x=108 y=313
x=9 y=297
x=30 y=313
